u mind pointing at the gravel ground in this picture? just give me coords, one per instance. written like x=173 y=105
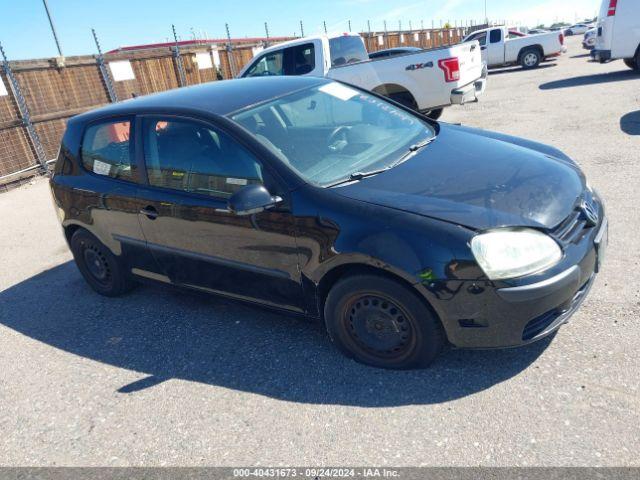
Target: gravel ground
x=164 y=377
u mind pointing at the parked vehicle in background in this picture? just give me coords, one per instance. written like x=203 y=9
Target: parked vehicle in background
x=536 y=31
x=399 y=234
x=577 y=29
x=618 y=35
x=392 y=52
x=426 y=81
x=589 y=39
x=500 y=48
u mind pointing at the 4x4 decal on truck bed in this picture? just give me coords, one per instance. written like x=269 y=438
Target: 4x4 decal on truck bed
x=418 y=66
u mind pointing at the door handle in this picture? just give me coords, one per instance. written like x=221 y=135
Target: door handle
x=150 y=212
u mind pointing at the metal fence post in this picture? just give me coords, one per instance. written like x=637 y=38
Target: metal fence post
x=301 y=29
x=266 y=31
x=385 y=33
x=182 y=79
x=41 y=156
x=324 y=23
x=106 y=78
x=232 y=61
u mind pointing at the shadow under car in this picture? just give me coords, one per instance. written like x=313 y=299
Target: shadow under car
x=171 y=333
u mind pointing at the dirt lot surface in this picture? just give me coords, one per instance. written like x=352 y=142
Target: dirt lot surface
x=163 y=377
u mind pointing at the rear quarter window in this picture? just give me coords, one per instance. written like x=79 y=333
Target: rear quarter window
x=347 y=49
x=106 y=150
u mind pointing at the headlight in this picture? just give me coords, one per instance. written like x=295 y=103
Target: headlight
x=509 y=253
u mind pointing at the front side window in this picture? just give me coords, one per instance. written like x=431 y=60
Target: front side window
x=268 y=65
x=482 y=39
x=189 y=156
x=106 y=150
x=496 y=36
x=347 y=49
x=328 y=132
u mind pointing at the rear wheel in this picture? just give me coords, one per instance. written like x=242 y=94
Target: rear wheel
x=382 y=323
x=404 y=98
x=435 y=114
x=530 y=58
x=633 y=63
x=100 y=268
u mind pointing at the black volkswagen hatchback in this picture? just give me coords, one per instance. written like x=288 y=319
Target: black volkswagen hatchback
x=318 y=198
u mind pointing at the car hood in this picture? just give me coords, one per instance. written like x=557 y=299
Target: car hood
x=480 y=180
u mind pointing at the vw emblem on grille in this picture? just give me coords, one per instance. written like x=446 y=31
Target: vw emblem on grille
x=589 y=212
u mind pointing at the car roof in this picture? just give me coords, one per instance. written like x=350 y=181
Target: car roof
x=217 y=98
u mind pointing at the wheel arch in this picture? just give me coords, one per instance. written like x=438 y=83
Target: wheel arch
x=393 y=89
x=537 y=47
x=339 y=272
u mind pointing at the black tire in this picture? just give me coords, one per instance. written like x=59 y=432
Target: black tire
x=398 y=332
x=404 y=98
x=633 y=63
x=435 y=114
x=530 y=58
x=100 y=268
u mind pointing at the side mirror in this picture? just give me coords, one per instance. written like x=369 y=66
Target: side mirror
x=252 y=199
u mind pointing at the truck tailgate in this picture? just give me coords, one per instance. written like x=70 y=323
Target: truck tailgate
x=470 y=59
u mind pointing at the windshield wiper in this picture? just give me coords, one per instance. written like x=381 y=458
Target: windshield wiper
x=412 y=150
x=357 y=176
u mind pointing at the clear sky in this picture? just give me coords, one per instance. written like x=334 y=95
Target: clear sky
x=25 y=33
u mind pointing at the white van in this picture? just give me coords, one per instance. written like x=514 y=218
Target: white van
x=618 y=34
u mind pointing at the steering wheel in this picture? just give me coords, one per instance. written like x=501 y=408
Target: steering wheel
x=337 y=139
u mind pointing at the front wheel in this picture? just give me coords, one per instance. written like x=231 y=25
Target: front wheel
x=380 y=322
x=101 y=269
x=530 y=58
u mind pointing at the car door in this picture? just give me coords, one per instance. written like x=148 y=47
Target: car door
x=495 y=47
x=481 y=37
x=192 y=168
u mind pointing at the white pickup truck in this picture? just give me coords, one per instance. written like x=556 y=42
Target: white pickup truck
x=426 y=81
x=500 y=47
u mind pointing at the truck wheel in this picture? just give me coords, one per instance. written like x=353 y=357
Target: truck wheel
x=404 y=98
x=101 y=269
x=633 y=63
x=382 y=323
x=530 y=58
x=435 y=114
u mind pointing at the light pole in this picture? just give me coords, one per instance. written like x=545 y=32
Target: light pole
x=53 y=28
x=486 y=18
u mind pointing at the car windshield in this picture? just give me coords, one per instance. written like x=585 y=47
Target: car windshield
x=330 y=132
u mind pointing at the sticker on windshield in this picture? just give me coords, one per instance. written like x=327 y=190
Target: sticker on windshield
x=101 y=168
x=339 y=91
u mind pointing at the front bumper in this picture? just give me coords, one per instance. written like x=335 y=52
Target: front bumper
x=471 y=92
x=485 y=314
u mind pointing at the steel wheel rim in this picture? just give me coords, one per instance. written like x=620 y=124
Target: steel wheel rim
x=97 y=265
x=378 y=327
x=530 y=59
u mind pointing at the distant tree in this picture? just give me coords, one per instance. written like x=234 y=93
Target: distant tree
x=447 y=25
